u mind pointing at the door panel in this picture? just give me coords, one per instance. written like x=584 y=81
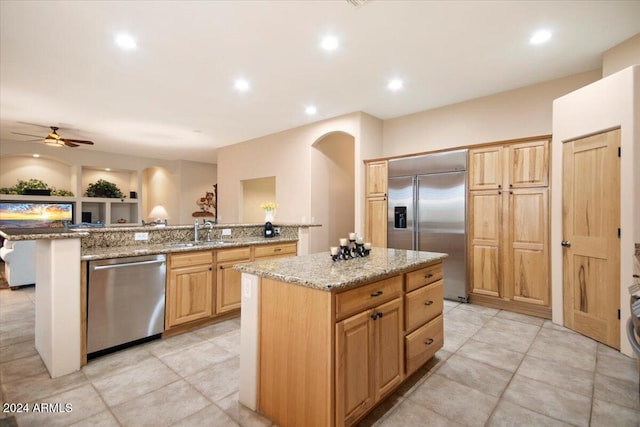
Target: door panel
x=401 y=213
x=485 y=168
x=591 y=217
x=484 y=238
x=389 y=347
x=528 y=164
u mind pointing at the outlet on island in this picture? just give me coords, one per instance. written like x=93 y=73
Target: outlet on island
x=276 y=231
x=141 y=236
x=226 y=232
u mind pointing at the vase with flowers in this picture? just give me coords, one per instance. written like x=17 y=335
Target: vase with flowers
x=269 y=210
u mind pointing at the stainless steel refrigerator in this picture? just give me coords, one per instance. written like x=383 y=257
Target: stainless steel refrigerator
x=427 y=212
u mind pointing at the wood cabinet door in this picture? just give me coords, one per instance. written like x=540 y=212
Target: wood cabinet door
x=485 y=168
x=376 y=221
x=529 y=164
x=388 y=353
x=591 y=221
x=485 y=223
x=376 y=179
x=189 y=295
x=228 y=287
x=527 y=272
x=355 y=391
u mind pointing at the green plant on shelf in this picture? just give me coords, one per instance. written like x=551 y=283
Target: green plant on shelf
x=103 y=188
x=33 y=184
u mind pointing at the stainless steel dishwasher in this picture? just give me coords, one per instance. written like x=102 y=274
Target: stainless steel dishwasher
x=125 y=301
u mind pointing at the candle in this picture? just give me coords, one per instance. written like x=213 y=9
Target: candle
x=343 y=242
x=334 y=250
x=367 y=245
x=359 y=240
x=352 y=236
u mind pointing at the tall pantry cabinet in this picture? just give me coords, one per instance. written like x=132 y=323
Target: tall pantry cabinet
x=508 y=225
x=375 y=200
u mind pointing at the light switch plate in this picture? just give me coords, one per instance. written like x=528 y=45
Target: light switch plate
x=141 y=236
x=226 y=232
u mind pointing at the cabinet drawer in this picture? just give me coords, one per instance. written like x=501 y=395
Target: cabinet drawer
x=424 y=276
x=422 y=305
x=422 y=344
x=234 y=254
x=275 y=250
x=190 y=258
x=367 y=296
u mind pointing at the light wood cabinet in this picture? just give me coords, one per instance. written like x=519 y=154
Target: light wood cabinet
x=375 y=210
x=228 y=280
x=508 y=226
x=189 y=288
x=278 y=250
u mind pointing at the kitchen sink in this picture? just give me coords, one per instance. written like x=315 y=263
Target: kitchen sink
x=180 y=245
x=195 y=244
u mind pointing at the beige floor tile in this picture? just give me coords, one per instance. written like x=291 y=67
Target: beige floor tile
x=617 y=391
x=509 y=414
x=382 y=411
x=479 y=309
x=606 y=414
x=21 y=368
x=454 y=401
x=162 y=407
x=142 y=378
x=217 y=381
x=211 y=416
x=195 y=358
x=448 y=305
x=484 y=378
x=453 y=341
x=551 y=401
x=229 y=341
x=170 y=345
x=17 y=296
x=217 y=329
x=21 y=310
x=103 y=419
x=412 y=414
x=468 y=316
x=571 y=349
x=243 y=416
x=617 y=365
x=491 y=354
x=41 y=386
x=518 y=317
x=548 y=324
x=516 y=327
x=460 y=327
x=115 y=363
x=17 y=351
x=17 y=331
x=84 y=402
x=558 y=375
x=505 y=339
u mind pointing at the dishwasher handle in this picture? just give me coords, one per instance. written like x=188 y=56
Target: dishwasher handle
x=127 y=264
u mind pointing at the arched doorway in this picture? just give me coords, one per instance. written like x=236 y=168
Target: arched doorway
x=332 y=189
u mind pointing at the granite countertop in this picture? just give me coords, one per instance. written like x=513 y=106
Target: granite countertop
x=169 y=247
x=320 y=272
x=15 y=234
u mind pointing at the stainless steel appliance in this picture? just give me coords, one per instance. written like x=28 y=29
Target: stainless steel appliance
x=125 y=301
x=427 y=212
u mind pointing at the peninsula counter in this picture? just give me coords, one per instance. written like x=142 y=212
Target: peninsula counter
x=323 y=342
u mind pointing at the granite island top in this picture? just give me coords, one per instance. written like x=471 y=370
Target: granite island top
x=320 y=272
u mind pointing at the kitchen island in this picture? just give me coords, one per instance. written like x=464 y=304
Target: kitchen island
x=323 y=342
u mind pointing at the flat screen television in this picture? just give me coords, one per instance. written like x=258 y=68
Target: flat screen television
x=22 y=214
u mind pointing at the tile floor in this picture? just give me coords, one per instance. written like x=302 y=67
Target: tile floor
x=496 y=369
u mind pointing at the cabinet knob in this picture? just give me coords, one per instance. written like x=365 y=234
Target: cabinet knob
x=210 y=268
x=376 y=294
x=499 y=192
x=510 y=185
x=428 y=302
x=429 y=341
x=428 y=275
x=566 y=243
x=277 y=249
x=377 y=315
x=499 y=185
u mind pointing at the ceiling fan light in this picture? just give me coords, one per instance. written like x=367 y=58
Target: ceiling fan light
x=53 y=142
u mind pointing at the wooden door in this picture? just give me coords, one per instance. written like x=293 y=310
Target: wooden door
x=354 y=382
x=529 y=164
x=376 y=179
x=527 y=270
x=485 y=168
x=228 y=287
x=485 y=223
x=376 y=221
x=591 y=217
x=189 y=293
x=388 y=353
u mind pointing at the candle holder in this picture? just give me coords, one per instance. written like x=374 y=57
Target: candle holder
x=355 y=248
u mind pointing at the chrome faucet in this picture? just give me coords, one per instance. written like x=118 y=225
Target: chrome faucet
x=195 y=231
x=209 y=225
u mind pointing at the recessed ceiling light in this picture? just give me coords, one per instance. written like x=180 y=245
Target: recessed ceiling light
x=107 y=169
x=395 y=84
x=126 y=41
x=241 y=85
x=540 y=36
x=311 y=110
x=329 y=43
x=36 y=155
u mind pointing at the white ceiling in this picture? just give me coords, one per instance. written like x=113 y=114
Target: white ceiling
x=173 y=97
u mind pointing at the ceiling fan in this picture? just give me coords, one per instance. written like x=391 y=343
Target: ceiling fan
x=55 y=140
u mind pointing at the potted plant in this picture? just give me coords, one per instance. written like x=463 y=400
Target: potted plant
x=103 y=188
x=34 y=187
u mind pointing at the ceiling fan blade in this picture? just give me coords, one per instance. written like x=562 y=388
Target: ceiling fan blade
x=69 y=144
x=27 y=134
x=77 y=141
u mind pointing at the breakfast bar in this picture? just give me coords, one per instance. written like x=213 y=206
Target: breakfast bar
x=323 y=341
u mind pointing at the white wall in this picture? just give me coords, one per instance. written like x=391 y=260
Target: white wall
x=53 y=172
x=609 y=103
x=195 y=180
x=255 y=192
x=513 y=114
x=621 y=56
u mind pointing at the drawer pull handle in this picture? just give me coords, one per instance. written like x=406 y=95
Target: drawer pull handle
x=428 y=302
x=429 y=341
x=428 y=275
x=376 y=294
x=277 y=249
x=377 y=315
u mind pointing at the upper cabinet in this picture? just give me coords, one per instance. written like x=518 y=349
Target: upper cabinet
x=485 y=168
x=376 y=179
x=529 y=164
